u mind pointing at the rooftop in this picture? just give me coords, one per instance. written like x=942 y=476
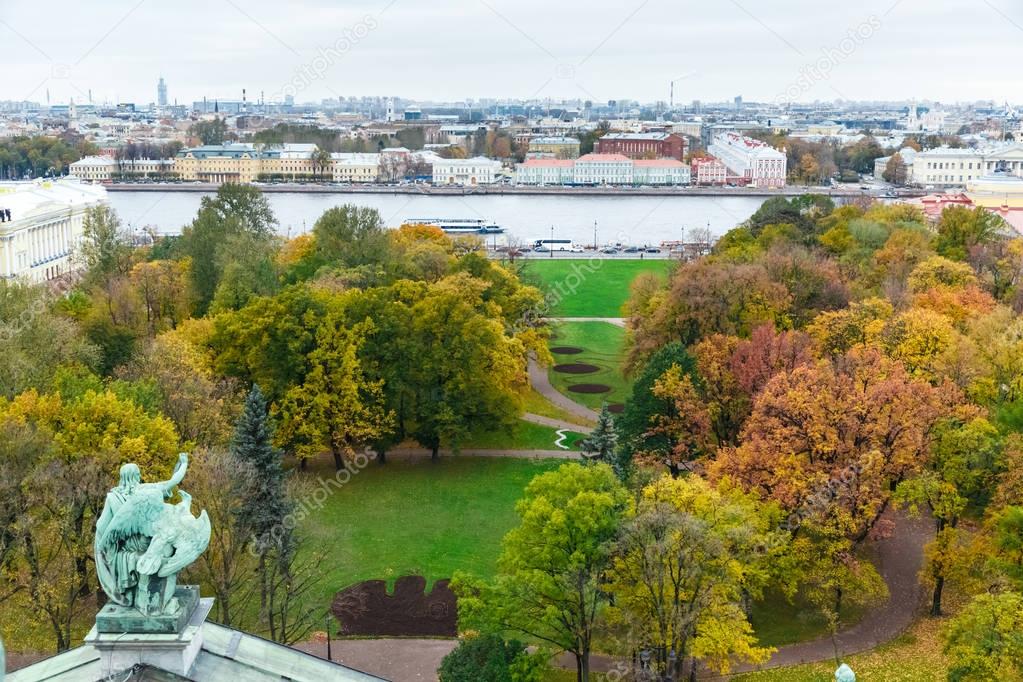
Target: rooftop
x=637 y=136
x=599 y=158
x=658 y=163
x=226 y=654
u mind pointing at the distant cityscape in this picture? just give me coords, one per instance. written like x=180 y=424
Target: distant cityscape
x=927 y=152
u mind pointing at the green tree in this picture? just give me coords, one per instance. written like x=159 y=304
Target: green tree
x=643 y=406
x=263 y=514
x=550 y=569
x=350 y=236
x=487 y=658
x=984 y=643
x=236 y=210
x=602 y=444
x=104 y=250
x=210 y=132
x=961 y=229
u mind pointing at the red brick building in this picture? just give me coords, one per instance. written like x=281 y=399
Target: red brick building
x=643 y=145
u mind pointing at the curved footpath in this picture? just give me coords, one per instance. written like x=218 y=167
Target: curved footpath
x=542 y=384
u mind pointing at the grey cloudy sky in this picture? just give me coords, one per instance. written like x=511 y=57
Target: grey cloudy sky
x=796 y=50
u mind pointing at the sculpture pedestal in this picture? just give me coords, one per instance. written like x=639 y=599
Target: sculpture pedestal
x=116 y=619
x=174 y=652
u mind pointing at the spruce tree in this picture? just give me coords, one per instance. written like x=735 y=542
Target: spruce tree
x=266 y=506
x=602 y=445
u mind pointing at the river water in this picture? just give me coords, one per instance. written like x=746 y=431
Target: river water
x=634 y=220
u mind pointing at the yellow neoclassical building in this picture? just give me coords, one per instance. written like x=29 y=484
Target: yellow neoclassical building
x=243 y=163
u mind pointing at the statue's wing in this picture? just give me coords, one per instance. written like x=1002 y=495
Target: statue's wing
x=190 y=542
x=137 y=516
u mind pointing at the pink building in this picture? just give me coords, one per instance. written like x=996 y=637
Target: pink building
x=709 y=171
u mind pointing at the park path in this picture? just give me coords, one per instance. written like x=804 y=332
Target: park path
x=557 y=423
x=542 y=384
x=486 y=452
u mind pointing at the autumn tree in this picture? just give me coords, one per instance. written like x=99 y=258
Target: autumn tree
x=704 y=298
x=812 y=426
x=682 y=565
x=686 y=429
x=335 y=408
x=963 y=466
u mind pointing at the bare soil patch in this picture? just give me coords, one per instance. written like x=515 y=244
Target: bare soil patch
x=590 y=388
x=576 y=368
x=366 y=609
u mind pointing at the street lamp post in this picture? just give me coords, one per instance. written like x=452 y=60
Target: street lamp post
x=551 y=245
x=594 y=235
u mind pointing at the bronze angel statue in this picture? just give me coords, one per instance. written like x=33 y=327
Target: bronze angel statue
x=142 y=542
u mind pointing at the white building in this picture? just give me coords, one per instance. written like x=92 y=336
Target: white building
x=467 y=172
x=94 y=168
x=545 y=172
x=42 y=222
x=355 y=167
x=604 y=169
x=948 y=167
x=660 y=172
x=907 y=154
x=758 y=162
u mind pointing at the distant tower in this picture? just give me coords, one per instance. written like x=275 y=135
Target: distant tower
x=390 y=110
x=738 y=102
x=73 y=115
x=161 y=93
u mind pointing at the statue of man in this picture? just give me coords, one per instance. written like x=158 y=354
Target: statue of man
x=116 y=562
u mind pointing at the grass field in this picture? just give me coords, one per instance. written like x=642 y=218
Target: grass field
x=604 y=346
x=537 y=404
x=526 y=436
x=584 y=288
x=415 y=517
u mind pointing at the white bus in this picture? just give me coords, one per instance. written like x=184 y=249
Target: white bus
x=548 y=245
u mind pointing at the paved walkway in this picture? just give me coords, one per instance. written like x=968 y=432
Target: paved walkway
x=542 y=385
x=492 y=452
x=557 y=423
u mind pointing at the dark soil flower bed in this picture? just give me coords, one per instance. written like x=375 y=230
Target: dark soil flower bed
x=590 y=388
x=566 y=350
x=366 y=609
x=576 y=368
x=616 y=408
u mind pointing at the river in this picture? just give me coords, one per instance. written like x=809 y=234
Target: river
x=618 y=219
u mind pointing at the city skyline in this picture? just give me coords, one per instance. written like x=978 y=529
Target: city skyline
x=525 y=51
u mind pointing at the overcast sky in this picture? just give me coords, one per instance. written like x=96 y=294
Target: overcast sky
x=792 y=50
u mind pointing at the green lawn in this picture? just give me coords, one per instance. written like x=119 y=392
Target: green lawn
x=414 y=516
x=604 y=346
x=585 y=288
x=537 y=404
x=526 y=436
x=778 y=622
